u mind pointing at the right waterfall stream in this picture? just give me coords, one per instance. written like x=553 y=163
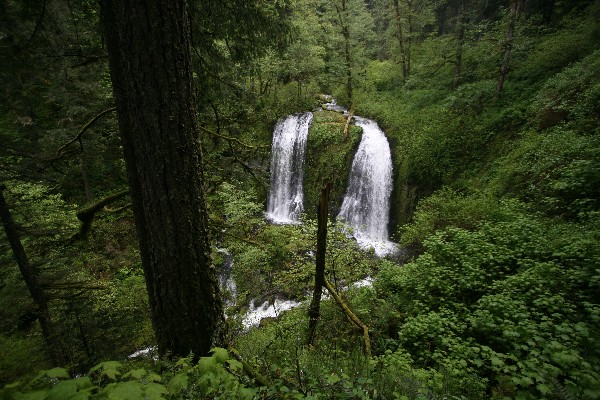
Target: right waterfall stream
x=366 y=205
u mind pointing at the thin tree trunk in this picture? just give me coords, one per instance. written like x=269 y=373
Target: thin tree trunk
x=508 y=44
x=85 y=179
x=345 y=30
x=400 y=35
x=30 y=277
x=410 y=35
x=315 y=304
x=461 y=41
x=150 y=61
x=348 y=53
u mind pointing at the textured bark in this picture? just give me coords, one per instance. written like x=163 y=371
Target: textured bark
x=149 y=53
x=315 y=304
x=30 y=277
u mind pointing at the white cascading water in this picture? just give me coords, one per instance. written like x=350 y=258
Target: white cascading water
x=285 y=203
x=366 y=204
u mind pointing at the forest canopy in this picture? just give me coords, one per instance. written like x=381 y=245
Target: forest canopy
x=135 y=173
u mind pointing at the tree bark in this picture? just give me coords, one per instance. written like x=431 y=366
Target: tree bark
x=30 y=276
x=149 y=53
x=315 y=304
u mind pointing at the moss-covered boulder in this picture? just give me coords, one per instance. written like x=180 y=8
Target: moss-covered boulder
x=328 y=158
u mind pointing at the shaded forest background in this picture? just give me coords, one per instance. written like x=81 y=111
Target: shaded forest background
x=492 y=110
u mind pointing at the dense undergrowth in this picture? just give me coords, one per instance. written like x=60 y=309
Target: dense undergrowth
x=496 y=202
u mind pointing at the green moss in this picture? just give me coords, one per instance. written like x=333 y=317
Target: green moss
x=328 y=158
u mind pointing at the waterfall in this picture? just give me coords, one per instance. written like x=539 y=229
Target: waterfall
x=285 y=203
x=366 y=204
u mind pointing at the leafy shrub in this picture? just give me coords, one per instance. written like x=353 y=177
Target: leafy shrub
x=447 y=207
x=556 y=171
x=571 y=96
x=513 y=302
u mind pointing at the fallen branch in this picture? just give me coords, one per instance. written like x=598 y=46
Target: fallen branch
x=118 y=209
x=351 y=316
x=249 y=370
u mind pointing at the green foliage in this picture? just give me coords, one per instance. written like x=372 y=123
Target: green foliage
x=447 y=208
x=215 y=377
x=506 y=302
x=21 y=355
x=557 y=169
x=571 y=97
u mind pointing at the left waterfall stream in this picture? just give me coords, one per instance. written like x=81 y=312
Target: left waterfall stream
x=284 y=206
x=286 y=191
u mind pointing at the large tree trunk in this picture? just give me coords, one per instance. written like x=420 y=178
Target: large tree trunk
x=30 y=276
x=149 y=53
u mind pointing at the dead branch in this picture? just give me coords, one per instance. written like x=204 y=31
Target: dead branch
x=351 y=316
x=231 y=139
x=350 y=115
x=82 y=131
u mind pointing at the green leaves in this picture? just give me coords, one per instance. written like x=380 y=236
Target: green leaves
x=107 y=369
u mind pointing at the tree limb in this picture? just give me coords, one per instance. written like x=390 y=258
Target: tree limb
x=86 y=215
x=350 y=115
x=231 y=139
x=77 y=138
x=351 y=316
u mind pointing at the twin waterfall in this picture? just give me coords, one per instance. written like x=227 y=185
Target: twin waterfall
x=366 y=204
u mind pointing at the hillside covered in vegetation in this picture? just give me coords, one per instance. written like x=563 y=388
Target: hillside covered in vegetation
x=492 y=112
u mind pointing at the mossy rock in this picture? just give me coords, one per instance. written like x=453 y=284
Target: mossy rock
x=328 y=158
